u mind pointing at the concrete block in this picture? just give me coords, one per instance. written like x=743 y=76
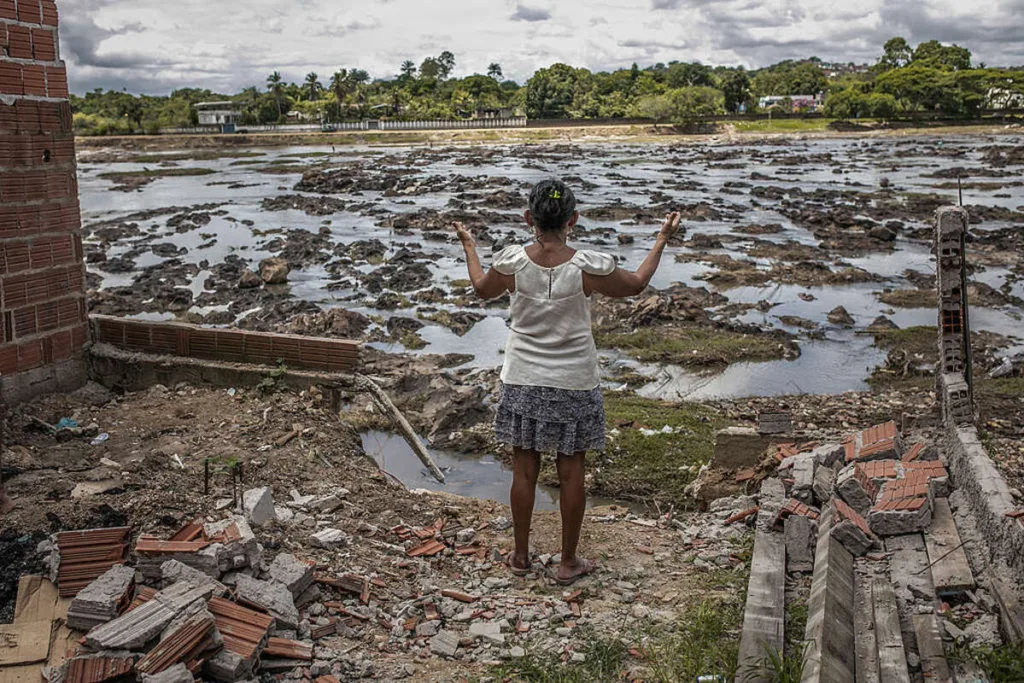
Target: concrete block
x=488 y=631
x=829 y=455
x=898 y=517
x=445 y=644
x=259 y=506
x=329 y=503
x=329 y=538
x=801 y=533
x=308 y=596
x=294 y=574
x=173 y=571
x=237 y=548
x=774 y=423
x=178 y=673
x=853 y=490
x=103 y=599
x=802 y=473
x=132 y=630
x=227 y=667
x=272 y=596
x=737 y=447
x=824 y=484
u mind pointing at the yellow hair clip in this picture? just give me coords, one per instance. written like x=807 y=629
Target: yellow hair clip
x=555 y=194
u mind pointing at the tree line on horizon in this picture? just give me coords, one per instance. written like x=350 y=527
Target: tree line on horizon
x=931 y=77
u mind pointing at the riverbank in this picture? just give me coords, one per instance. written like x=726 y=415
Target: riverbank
x=746 y=131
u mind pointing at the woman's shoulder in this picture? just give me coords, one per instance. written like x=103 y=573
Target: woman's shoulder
x=595 y=262
x=510 y=260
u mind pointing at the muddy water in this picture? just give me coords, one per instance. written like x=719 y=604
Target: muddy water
x=466 y=475
x=627 y=173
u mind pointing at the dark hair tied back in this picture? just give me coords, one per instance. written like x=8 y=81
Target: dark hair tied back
x=552 y=204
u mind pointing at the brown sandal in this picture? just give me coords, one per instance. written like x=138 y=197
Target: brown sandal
x=516 y=571
x=586 y=568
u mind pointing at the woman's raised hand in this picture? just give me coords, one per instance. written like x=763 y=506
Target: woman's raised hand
x=464 y=235
x=670 y=226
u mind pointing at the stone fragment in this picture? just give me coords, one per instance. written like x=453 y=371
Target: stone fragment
x=851 y=530
x=801 y=537
x=857 y=493
x=178 y=673
x=173 y=571
x=327 y=503
x=329 y=538
x=272 y=596
x=235 y=547
x=249 y=280
x=905 y=516
x=227 y=667
x=829 y=455
x=840 y=316
x=103 y=599
x=445 y=644
x=274 y=271
x=824 y=484
x=427 y=629
x=738 y=447
x=310 y=595
x=293 y=573
x=489 y=631
x=259 y=506
x=774 y=423
x=132 y=630
x=802 y=472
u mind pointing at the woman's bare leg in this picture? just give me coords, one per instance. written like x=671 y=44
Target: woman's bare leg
x=573 y=502
x=524 y=490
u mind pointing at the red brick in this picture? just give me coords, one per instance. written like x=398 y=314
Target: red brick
x=35 y=80
x=49 y=8
x=10 y=79
x=28 y=116
x=846 y=512
x=8 y=360
x=19 y=42
x=30 y=12
x=8 y=10
x=57 y=81
x=44 y=44
x=914 y=453
x=15 y=257
x=30 y=355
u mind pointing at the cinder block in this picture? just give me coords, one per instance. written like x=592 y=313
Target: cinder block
x=801 y=533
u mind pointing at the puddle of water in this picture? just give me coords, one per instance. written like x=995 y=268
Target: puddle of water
x=473 y=476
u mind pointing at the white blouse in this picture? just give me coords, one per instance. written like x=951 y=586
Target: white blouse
x=551 y=343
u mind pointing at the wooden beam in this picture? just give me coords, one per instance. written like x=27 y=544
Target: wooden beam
x=864 y=627
x=951 y=573
x=831 y=654
x=929 y=644
x=764 y=620
x=892 y=659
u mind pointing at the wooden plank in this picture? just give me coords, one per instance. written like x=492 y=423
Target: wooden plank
x=764 y=619
x=864 y=628
x=951 y=573
x=929 y=644
x=892 y=659
x=831 y=653
x=908 y=566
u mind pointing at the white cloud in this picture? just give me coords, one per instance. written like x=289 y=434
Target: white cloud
x=153 y=46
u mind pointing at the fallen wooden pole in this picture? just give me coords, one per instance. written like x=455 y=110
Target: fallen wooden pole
x=387 y=407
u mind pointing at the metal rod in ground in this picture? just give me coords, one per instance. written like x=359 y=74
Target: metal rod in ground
x=387 y=407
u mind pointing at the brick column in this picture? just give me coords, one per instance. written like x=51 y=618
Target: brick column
x=42 y=277
x=953 y=372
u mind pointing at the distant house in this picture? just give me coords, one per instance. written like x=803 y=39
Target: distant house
x=218 y=113
x=502 y=113
x=800 y=102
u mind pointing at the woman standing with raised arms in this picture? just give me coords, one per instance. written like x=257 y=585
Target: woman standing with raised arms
x=550 y=395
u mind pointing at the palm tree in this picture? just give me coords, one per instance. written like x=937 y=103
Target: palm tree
x=408 y=69
x=276 y=88
x=313 y=87
x=494 y=71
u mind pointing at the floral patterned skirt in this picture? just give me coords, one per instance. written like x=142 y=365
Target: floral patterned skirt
x=550 y=420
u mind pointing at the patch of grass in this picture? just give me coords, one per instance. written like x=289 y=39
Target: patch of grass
x=604 y=663
x=1003 y=664
x=194 y=156
x=796 y=622
x=642 y=467
x=780 y=125
x=705 y=641
x=910 y=298
x=1006 y=387
x=694 y=346
x=155 y=173
x=917 y=341
x=777 y=667
x=461 y=283
x=412 y=341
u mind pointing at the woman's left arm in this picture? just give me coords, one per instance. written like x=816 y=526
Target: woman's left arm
x=488 y=285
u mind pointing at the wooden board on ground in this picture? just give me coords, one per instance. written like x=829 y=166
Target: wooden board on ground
x=951 y=573
x=765 y=616
x=892 y=659
x=908 y=563
x=929 y=644
x=831 y=654
x=864 y=626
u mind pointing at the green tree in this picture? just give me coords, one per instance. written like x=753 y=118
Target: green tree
x=935 y=55
x=681 y=75
x=312 y=88
x=408 y=70
x=431 y=69
x=735 y=90
x=550 y=92
x=657 y=107
x=896 y=54
x=494 y=71
x=446 y=61
x=696 y=102
x=276 y=87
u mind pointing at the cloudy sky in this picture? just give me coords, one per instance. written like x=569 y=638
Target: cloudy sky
x=153 y=46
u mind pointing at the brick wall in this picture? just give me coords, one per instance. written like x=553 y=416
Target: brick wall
x=42 y=284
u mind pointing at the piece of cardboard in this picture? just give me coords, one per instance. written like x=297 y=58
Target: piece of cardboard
x=25 y=642
x=40 y=611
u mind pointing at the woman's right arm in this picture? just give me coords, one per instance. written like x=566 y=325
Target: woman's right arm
x=487 y=285
x=622 y=283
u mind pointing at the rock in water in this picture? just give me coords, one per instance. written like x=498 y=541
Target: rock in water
x=840 y=316
x=249 y=280
x=274 y=271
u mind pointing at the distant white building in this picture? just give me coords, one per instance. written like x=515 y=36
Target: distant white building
x=218 y=113
x=1001 y=98
x=809 y=102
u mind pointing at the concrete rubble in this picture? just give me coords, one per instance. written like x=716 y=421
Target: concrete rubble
x=259 y=506
x=103 y=599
